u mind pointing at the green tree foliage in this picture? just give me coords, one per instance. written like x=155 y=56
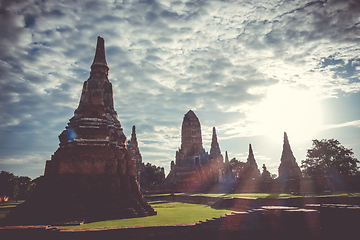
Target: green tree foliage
x=328 y=158
x=25 y=187
x=14 y=187
x=153 y=175
x=8 y=185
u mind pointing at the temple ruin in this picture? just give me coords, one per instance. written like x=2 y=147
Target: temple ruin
x=194 y=169
x=135 y=154
x=215 y=153
x=215 y=165
x=186 y=172
x=252 y=170
x=92 y=175
x=289 y=171
x=288 y=168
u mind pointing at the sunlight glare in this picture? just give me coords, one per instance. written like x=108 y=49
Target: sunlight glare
x=285 y=109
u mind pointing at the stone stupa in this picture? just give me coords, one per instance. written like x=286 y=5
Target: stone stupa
x=215 y=152
x=91 y=176
x=186 y=172
x=251 y=166
x=288 y=169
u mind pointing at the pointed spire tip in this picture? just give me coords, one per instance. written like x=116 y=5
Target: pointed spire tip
x=100 y=59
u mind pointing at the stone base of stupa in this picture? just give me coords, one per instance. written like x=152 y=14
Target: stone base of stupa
x=81 y=198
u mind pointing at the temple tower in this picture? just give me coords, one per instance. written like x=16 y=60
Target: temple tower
x=191 y=140
x=227 y=162
x=95 y=120
x=288 y=168
x=191 y=152
x=227 y=166
x=186 y=172
x=229 y=177
x=91 y=176
x=215 y=153
x=135 y=154
x=251 y=165
x=215 y=165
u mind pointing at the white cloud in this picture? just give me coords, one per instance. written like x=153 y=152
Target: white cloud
x=355 y=123
x=219 y=58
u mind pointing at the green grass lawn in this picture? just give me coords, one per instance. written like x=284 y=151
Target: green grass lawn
x=249 y=195
x=168 y=213
x=261 y=195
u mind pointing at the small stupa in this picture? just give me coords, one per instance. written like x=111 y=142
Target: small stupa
x=215 y=152
x=251 y=166
x=135 y=154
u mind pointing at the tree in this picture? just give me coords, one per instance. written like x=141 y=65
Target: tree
x=328 y=157
x=25 y=187
x=14 y=187
x=8 y=185
x=153 y=175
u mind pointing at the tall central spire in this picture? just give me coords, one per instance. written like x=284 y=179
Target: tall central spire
x=97 y=95
x=99 y=64
x=191 y=141
x=95 y=118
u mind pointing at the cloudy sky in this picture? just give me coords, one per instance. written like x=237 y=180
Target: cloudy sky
x=252 y=69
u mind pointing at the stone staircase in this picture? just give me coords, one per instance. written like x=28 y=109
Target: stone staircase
x=275 y=221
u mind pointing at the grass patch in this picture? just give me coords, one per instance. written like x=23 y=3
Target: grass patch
x=265 y=195
x=168 y=213
x=209 y=194
x=6 y=207
x=336 y=194
x=247 y=195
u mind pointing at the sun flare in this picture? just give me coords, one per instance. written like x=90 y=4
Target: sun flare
x=291 y=110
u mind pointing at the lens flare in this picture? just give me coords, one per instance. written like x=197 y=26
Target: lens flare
x=71 y=134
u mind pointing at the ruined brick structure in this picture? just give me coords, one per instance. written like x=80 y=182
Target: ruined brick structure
x=215 y=153
x=252 y=170
x=135 y=154
x=265 y=175
x=216 y=160
x=247 y=174
x=91 y=176
x=191 y=152
x=194 y=169
x=288 y=168
x=289 y=171
x=186 y=172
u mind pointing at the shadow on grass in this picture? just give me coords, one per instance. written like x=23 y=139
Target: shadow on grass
x=6 y=207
